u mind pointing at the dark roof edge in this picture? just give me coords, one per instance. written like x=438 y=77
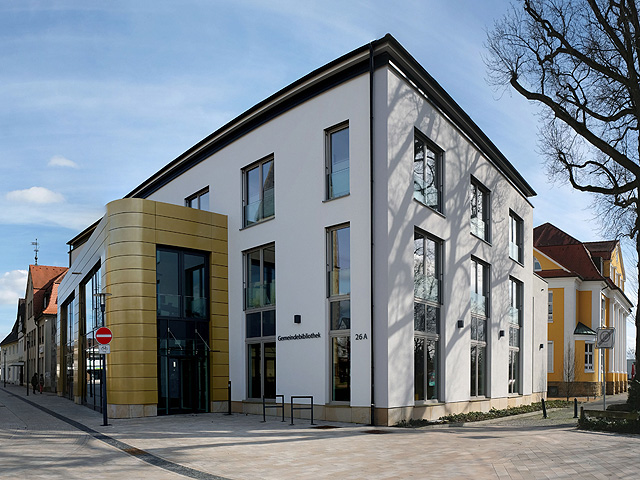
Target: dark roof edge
x=344 y=68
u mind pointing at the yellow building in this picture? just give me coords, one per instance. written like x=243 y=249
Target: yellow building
x=586 y=292
x=163 y=269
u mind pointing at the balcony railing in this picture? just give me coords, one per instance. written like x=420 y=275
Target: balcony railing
x=338 y=182
x=478 y=304
x=427 y=194
x=514 y=315
x=261 y=209
x=478 y=227
x=426 y=287
x=515 y=252
x=260 y=294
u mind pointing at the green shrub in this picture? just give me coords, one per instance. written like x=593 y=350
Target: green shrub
x=478 y=416
x=634 y=394
x=618 y=425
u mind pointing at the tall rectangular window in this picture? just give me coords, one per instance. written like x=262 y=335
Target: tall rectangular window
x=259 y=184
x=516 y=234
x=90 y=322
x=550 y=357
x=550 y=308
x=260 y=317
x=427 y=173
x=479 y=321
x=515 y=322
x=479 y=199
x=199 y=200
x=339 y=295
x=588 y=357
x=427 y=261
x=337 y=161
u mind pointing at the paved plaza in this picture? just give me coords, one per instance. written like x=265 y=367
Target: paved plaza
x=50 y=437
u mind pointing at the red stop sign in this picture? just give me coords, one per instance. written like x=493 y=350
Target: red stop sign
x=103 y=336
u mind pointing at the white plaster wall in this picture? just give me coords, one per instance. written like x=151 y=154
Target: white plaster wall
x=297 y=141
x=540 y=325
x=397 y=216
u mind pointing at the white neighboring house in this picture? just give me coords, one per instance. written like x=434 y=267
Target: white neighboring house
x=11 y=351
x=400 y=238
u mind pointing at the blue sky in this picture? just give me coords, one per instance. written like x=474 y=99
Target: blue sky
x=96 y=96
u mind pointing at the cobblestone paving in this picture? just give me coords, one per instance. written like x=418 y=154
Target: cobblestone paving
x=242 y=447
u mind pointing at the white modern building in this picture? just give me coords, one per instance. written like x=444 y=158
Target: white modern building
x=397 y=234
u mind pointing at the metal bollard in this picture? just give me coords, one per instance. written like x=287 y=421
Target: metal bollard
x=544 y=409
x=229 y=400
x=575 y=408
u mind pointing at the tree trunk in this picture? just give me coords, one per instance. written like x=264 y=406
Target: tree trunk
x=637 y=232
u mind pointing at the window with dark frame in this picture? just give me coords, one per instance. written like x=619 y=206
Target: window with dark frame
x=260 y=318
x=479 y=200
x=516 y=240
x=339 y=297
x=427 y=254
x=515 y=322
x=427 y=173
x=337 y=161
x=199 y=200
x=258 y=191
x=479 y=323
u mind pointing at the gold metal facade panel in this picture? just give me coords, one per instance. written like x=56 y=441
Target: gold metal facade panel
x=140 y=397
x=132 y=330
x=131 y=275
x=144 y=249
x=178 y=225
x=128 y=262
x=219 y=308
x=131 y=289
x=131 y=234
x=183 y=241
x=132 y=219
x=133 y=384
x=133 y=357
x=219 y=259
x=135 y=344
x=218 y=283
x=141 y=370
x=132 y=303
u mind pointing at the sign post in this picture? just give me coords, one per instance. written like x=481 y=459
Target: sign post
x=605 y=338
x=103 y=337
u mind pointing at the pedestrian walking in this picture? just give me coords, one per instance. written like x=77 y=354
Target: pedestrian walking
x=34 y=382
x=41 y=383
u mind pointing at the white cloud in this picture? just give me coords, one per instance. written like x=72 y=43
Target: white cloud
x=35 y=195
x=12 y=286
x=60 y=161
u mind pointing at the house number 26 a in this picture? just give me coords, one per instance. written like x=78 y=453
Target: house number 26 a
x=361 y=336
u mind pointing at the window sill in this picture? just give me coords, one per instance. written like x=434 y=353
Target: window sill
x=258 y=223
x=438 y=212
x=482 y=239
x=327 y=200
x=427 y=403
x=478 y=399
x=516 y=261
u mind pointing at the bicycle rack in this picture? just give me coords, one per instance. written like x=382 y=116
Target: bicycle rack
x=306 y=407
x=275 y=405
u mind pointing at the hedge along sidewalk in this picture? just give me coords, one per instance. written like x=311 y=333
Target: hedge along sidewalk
x=493 y=414
x=609 y=421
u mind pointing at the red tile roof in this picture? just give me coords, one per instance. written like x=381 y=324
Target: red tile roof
x=570 y=253
x=43 y=280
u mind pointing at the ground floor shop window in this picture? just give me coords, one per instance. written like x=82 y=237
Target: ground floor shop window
x=341 y=369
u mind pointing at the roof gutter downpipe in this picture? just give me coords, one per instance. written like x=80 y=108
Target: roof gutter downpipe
x=371 y=198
